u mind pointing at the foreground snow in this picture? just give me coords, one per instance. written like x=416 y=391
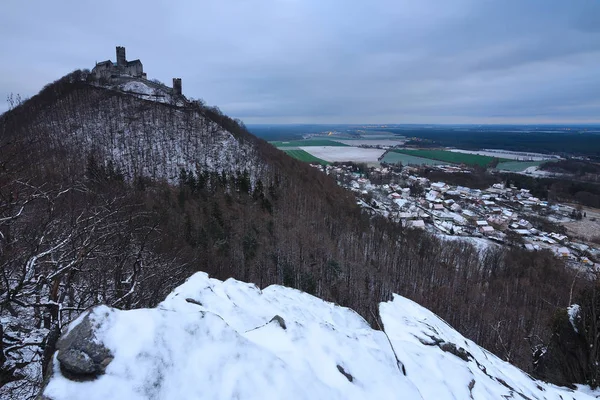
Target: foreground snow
x=218 y=340
x=413 y=332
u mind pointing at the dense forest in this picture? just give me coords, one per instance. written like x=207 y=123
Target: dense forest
x=584 y=170
x=98 y=205
x=578 y=142
x=559 y=189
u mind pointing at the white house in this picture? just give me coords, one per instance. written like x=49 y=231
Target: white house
x=562 y=252
x=486 y=229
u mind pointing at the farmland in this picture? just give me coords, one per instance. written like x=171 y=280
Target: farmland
x=518 y=166
x=510 y=155
x=304 y=156
x=451 y=157
x=341 y=154
x=394 y=157
x=371 y=142
x=308 y=142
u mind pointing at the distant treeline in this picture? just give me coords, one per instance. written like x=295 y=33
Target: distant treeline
x=284 y=132
x=578 y=143
x=582 y=169
x=558 y=189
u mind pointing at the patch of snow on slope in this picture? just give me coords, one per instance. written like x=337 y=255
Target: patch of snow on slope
x=137 y=87
x=573 y=311
x=149 y=91
x=481 y=244
x=219 y=340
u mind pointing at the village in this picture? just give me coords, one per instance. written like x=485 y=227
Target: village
x=496 y=216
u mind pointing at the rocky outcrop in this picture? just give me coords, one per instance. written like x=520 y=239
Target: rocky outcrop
x=457 y=351
x=346 y=374
x=80 y=354
x=218 y=340
x=278 y=320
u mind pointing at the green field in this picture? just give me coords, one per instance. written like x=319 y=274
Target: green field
x=306 y=157
x=451 y=157
x=518 y=166
x=308 y=142
x=394 y=157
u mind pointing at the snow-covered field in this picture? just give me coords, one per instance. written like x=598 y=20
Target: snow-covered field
x=511 y=155
x=538 y=172
x=333 y=153
x=585 y=227
x=229 y=340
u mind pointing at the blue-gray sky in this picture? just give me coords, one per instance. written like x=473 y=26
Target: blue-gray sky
x=329 y=61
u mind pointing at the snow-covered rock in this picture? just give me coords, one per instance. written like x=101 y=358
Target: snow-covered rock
x=229 y=340
x=79 y=353
x=432 y=353
x=573 y=312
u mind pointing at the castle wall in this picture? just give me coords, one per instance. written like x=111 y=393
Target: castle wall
x=134 y=69
x=103 y=70
x=177 y=86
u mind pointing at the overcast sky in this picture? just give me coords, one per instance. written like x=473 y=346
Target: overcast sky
x=328 y=61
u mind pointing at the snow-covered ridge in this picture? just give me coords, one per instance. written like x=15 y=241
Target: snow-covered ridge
x=229 y=340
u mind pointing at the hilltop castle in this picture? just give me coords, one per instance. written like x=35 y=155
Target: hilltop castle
x=108 y=69
x=123 y=69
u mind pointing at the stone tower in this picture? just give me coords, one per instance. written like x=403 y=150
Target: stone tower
x=177 y=86
x=121 y=60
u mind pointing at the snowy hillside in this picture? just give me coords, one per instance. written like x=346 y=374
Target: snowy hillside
x=223 y=340
x=148 y=90
x=141 y=132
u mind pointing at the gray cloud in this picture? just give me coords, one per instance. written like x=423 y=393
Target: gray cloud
x=391 y=61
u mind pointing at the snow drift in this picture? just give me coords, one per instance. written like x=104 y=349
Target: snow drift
x=229 y=340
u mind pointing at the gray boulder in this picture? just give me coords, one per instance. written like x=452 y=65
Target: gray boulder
x=457 y=351
x=81 y=355
x=279 y=320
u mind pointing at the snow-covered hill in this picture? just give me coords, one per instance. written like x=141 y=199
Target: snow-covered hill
x=229 y=340
x=140 y=130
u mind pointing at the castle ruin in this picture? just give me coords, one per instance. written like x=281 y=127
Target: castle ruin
x=177 y=86
x=125 y=70
x=107 y=69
